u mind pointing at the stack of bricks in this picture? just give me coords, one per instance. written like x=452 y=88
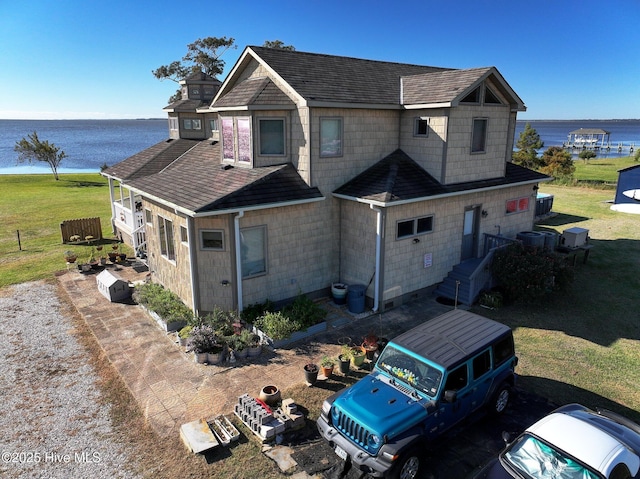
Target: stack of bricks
x=265 y=422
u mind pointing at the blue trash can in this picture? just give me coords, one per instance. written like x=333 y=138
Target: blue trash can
x=355 y=298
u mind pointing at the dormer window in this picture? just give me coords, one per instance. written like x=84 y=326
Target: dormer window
x=473 y=97
x=421 y=127
x=271 y=136
x=490 y=97
x=479 y=135
x=192 y=124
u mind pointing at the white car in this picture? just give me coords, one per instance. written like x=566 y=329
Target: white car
x=573 y=442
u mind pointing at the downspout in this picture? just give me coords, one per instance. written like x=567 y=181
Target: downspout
x=376 y=284
x=236 y=228
x=193 y=267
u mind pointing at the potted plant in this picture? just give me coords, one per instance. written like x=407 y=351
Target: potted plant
x=202 y=340
x=370 y=345
x=239 y=344
x=311 y=373
x=327 y=364
x=70 y=256
x=358 y=354
x=254 y=347
x=183 y=335
x=113 y=255
x=344 y=359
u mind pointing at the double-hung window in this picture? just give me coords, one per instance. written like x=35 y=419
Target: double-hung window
x=165 y=234
x=253 y=251
x=271 y=136
x=192 y=124
x=479 y=135
x=330 y=136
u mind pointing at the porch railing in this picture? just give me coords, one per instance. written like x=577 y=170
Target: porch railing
x=481 y=278
x=133 y=223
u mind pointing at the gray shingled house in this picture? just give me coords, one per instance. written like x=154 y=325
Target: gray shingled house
x=301 y=170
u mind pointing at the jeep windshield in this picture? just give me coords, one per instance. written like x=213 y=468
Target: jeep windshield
x=534 y=459
x=410 y=370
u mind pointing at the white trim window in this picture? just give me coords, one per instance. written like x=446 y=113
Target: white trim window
x=414 y=227
x=253 y=251
x=173 y=124
x=165 y=236
x=236 y=139
x=212 y=240
x=479 y=135
x=271 y=136
x=421 y=127
x=148 y=217
x=331 y=135
x=517 y=205
x=184 y=235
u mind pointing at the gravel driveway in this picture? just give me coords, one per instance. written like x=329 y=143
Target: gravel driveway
x=52 y=424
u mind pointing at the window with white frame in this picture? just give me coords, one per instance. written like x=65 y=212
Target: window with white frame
x=253 y=251
x=421 y=127
x=236 y=139
x=213 y=124
x=479 y=135
x=517 y=205
x=184 y=235
x=271 y=132
x=192 y=124
x=212 y=240
x=330 y=136
x=414 y=227
x=148 y=216
x=165 y=235
x=173 y=124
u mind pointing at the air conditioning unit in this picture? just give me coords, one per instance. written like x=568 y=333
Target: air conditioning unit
x=574 y=237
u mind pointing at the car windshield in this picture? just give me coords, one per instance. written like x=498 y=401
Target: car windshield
x=410 y=370
x=535 y=459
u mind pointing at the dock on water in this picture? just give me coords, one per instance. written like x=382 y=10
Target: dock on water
x=595 y=139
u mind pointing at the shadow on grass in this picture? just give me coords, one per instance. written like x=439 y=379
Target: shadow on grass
x=562 y=219
x=82 y=184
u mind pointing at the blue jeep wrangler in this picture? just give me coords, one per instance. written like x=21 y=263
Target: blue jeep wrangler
x=425 y=381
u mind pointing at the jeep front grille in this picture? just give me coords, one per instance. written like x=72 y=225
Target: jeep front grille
x=352 y=430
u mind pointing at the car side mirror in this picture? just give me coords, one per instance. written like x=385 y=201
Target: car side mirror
x=506 y=437
x=450 y=395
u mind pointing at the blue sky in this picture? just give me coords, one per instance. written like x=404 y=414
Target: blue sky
x=93 y=59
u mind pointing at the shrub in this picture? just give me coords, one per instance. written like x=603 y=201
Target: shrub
x=304 y=311
x=526 y=273
x=254 y=311
x=276 y=325
x=222 y=321
x=203 y=340
x=163 y=302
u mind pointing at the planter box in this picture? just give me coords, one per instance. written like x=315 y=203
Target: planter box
x=224 y=430
x=167 y=327
x=297 y=336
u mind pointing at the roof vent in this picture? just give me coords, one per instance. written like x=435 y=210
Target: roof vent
x=226 y=167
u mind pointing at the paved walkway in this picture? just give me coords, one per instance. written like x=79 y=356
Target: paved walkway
x=172 y=389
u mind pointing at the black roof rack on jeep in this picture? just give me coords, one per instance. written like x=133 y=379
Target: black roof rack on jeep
x=452 y=337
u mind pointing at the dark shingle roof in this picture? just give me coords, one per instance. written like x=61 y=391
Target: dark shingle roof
x=151 y=160
x=185 y=105
x=254 y=91
x=343 y=79
x=399 y=178
x=198 y=183
x=438 y=87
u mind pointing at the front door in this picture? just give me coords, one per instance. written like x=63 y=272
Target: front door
x=470 y=233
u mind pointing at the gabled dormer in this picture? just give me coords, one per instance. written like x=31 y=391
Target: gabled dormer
x=185 y=121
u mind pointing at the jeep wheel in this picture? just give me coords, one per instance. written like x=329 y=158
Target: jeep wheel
x=408 y=466
x=501 y=399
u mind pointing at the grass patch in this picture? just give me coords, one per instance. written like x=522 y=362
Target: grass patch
x=603 y=170
x=35 y=205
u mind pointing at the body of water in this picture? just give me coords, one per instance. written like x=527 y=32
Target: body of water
x=89 y=144
x=556 y=132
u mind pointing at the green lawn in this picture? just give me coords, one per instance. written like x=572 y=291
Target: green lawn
x=34 y=206
x=602 y=170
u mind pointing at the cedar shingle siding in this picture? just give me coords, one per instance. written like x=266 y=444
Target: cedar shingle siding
x=320 y=214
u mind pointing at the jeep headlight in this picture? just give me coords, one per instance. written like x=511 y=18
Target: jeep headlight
x=373 y=440
x=326 y=409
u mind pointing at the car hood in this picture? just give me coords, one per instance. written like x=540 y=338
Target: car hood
x=379 y=407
